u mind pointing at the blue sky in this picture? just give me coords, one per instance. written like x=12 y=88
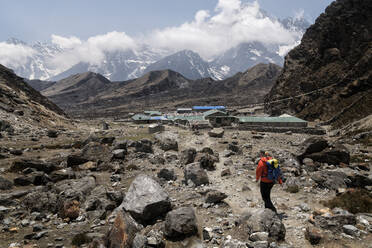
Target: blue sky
x=39 y=19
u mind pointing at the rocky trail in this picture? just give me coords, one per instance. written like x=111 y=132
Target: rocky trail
x=82 y=187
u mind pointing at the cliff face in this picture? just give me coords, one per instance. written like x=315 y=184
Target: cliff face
x=335 y=55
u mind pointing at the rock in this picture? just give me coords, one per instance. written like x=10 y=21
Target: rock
x=22 y=164
x=206 y=161
x=335 y=154
x=62 y=174
x=88 y=166
x=119 y=153
x=52 y=133
x=180 y=223
x=188 y=156
x=330 y=179
x=351 y=230
x=105 y=126
x=120 y=144
x=96 y=152
x=167 y=142
x=107 y=140
x=156 y=128
x=70 y=209
x=260 y=244
x=144 y=145
x=16 y=152
x=41 y=201
x=139 y=241
x=225 y=172
x=122 y=232
x=167 y=175
x=292 y=185
x=234 y=148
x=233 y=243
x=207 y=150
x=5 y=184
x=196 y=174
x=334 y=221
x=265 y=220
x=157 y=159
x=309 y=164
x=215 y=196
x=6 y=127
x=73 y=160
x=145 y=200
x=313 y=235
x=216 y=132
x=259 y=236
x=207 y=233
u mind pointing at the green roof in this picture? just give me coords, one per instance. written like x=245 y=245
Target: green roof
x=189 y=118
x=152 y=112
x=213 y=111
x=138 y=117
x=269 y=119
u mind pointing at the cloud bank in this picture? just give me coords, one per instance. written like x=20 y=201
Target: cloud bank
x=15 y=55
x=210 y=33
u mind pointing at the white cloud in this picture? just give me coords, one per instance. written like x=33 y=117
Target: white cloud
x=65 y=42
x=232 y=23
x=299 y=14
x=14 y=55
x=90 y=51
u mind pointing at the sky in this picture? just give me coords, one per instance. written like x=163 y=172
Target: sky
x=87 y=29
x=37 y=20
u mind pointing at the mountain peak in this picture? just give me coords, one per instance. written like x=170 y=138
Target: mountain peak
x=15 y=41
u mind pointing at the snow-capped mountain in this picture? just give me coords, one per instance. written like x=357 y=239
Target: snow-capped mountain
x=186 y=62
x=133 y=63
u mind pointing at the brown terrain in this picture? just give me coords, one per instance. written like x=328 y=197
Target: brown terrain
x=68 y=182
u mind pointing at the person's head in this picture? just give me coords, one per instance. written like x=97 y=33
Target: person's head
x=264 y=153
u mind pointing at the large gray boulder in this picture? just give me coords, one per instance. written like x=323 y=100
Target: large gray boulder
x=144 y=145
x=330 y=179
x=145 y=200
x=206 y=161
x=167 y=141
x=196 y=174
x=188 y=156
x=39 y=165
x=216 y=133
x=264 y=220
x=180 y=223
x=5 y=183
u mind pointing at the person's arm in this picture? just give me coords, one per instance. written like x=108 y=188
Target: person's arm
x=259 y=170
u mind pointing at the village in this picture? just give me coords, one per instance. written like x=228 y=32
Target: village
x=208 y=117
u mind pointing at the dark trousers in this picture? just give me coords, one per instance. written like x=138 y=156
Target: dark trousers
x=265 y=189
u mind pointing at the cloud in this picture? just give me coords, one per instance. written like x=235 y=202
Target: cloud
x=232 y=23
x=64 y=42
x=15 y=55
x=299 y=14
x=91 y=51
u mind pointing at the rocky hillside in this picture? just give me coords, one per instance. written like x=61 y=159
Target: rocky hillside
x=22 y=107
x=335 y=58
x=91 y=94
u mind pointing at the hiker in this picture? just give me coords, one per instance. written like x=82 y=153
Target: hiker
x=263 y=174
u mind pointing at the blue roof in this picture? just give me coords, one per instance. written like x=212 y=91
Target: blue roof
x=158 y=118
x=208 y=107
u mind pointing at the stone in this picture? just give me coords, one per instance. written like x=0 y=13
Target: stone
x=207 y=233
x=225 y=172
x=139 y=241
x=351 y=230
x=167 y=175
x=215 y=196
x=234 y=148
x=260 y=244
x=122 y=232
x=5 y=184
x=330 y=179
x=180 y=223
x=196 y=174
x=312 y=145
x=107 y=140
x=62 y=174
x=188 y=156
x=216 y=132
x=291 y=185
x=70 y=209
x=335 y=154
x=156 y=128
x=52 y=133
x=39 y=165
x=206 y=161
x=73 y=160
x=119 y=153
x=144 y=145
x=313 y=235
x=145 y=200
x=96 y=152
x=167 y=142
x=264 y=220
x=6 y=127
x=259 y=236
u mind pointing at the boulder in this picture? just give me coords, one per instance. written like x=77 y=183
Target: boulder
x=167 y=142
x=206 y=161
x=351 y=230
x=264 y=220
x=52 y=133
x=234 y=148
x=62 y=174
x=145 y=200
x=74 y=189
x=6 y=126
x=20 y=165
x=312 y=145
x=216 y=132
x=107 y=140
x=259 y=236
x=94 y=151
x=330 y=179
x=41 y=201
x=122 y=232
x=196 y=174
x=188 y=156
x=225 y=172
x=119 y=153
x=335 y=155
x=156 y=128
x=5 y=184
x=313 y=235
x=292 y=185
x=75 y=159
x=167 y=175
x=180 y=223
x=144 y=145
x=334 y=221
x=215 y=196
x=70 y=209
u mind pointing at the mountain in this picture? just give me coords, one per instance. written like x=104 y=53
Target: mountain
x=333 y=63
x=76 y=88
x=92 y=95
x=186 y=62
x=23 y=107
x=39 y=85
